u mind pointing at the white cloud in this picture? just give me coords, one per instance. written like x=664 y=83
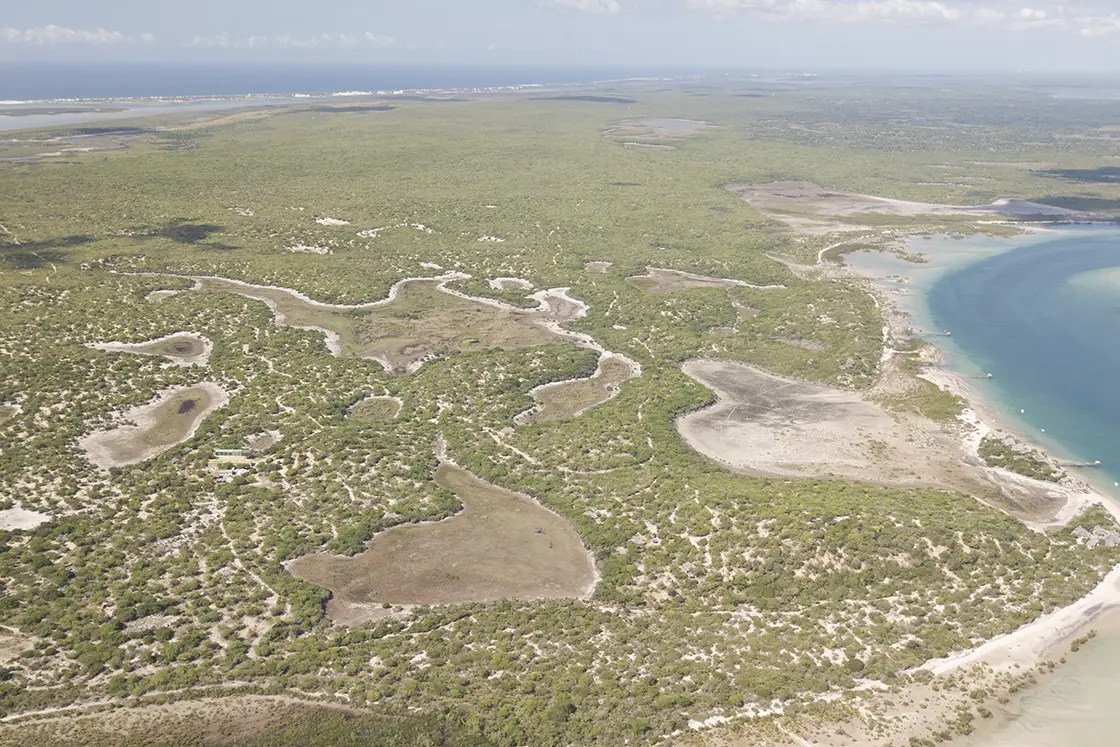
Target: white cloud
x=1045 y=14
x=224 y=40
x=594 y=7
x=43 y=35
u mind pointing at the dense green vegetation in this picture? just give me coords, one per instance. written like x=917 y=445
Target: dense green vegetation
x=1006 y=452
x=721 y=594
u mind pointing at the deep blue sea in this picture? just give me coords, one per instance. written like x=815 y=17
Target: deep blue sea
x=49 y=81
x=1044 y=319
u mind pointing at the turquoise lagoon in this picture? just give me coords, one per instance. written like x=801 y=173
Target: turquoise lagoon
x=1042 y=314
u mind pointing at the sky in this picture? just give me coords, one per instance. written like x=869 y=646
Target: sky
x=659 y=35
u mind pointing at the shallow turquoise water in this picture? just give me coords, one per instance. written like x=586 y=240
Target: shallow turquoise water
x=1043 y=315
x=1077 y=707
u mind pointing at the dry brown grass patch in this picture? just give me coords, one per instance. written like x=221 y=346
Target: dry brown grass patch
x=502 y=545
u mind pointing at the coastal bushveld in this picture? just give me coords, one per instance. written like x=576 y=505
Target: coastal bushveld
x=508 y=419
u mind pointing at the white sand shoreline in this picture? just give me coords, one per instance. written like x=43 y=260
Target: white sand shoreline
x=1030 y=644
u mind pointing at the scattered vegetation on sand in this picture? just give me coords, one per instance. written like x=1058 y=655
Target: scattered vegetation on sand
x=721 y=595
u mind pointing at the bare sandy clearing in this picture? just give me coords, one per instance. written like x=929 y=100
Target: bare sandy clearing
x=160 y=295
x=11 y=646
x=765 y=424
x=182 y=348
x=813 y=208
x=502 y=545
x=658 y=127
x=263 y=441
x=509 y=284
x=19 y=518
x=659 y=280
x=772 y=425
x=309 y=249
x=325 y=221
x=597 y=266
x=153 y=428
x=568 y=399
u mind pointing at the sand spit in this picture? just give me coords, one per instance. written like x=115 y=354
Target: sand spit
x=502 y=545
x=181 y=348
x=20 y=518
x=155 y=427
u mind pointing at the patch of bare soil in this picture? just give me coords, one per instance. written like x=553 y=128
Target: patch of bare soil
x=658 y=127
x=567 y=399
x=598 y=267
x=182 y=348
x=648 y=146
x=373 y=409
x=20 y=518
x=509 y=284
x=151 y=429
x=770 y=425
x=195 y=722
x=263 y=441
x=672 y=281
x=658 y=280
x=813 y=208
x=502 y=545
x=12 y=645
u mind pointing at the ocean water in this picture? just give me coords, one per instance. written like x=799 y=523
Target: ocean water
x=59 y=81
x=147 y=89
x=1044 y=319
x=1042 y=314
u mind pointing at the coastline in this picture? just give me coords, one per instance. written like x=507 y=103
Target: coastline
x=1035 y=649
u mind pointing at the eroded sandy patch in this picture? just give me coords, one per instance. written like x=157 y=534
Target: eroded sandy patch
x=155 y=427
x=20 y=518
x=181 y=348
x=502 y=545
x=509 y=284
x=769 y=425
x=659 y=280
x=658 y=127
x=597 y=266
